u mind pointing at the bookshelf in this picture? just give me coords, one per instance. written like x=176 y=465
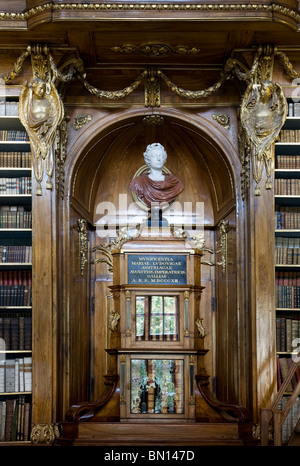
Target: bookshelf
x=287 y=249
x=15 y=276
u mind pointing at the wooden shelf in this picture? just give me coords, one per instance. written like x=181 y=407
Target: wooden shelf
x=287 y=232
x=11 y=122
x=14 y=171
x=14 y=393
x=288 y=309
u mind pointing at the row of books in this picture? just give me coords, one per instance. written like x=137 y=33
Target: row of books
x=287 y=218
x=13 y=135
x=15 y=159
x=291 y=420
x=16 y=375
x=9 y=108
x=285 y=162
x=15 y=332
x=15 y=419
x=289 y=135
x=15 y=217
x=287 y=250
x=18 y=185
x=287 y=292
x=15 y=254
x=294 y=109
x=287 y=187
x=15 y=288
x=287 y=333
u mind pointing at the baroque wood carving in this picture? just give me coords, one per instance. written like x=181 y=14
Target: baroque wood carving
x=263 y=113
x=254 y=142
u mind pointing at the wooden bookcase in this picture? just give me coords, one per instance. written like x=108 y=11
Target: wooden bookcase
x=287 y=249
x=15 y=274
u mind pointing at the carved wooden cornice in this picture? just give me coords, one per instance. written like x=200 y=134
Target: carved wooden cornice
x=225 y=11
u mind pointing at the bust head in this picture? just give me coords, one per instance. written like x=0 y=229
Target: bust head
x=155 y=156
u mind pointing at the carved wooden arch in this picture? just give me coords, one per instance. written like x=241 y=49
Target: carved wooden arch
x=201 y=129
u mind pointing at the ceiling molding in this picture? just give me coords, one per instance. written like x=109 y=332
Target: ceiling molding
x=247 y=11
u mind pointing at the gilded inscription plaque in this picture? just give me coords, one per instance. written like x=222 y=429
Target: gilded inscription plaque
x=157 y=269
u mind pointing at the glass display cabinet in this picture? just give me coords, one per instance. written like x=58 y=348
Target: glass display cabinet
x=156 y=348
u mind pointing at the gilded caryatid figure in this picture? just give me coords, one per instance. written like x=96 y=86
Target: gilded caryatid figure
x=263 y=112
x=41 y=112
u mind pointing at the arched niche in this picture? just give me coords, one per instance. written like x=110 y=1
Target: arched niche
x=199 y=153
x=101 y=162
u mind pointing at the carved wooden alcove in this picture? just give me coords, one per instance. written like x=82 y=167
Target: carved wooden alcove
x=201 y=153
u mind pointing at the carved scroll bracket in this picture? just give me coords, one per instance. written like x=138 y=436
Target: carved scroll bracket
x=124 y=234
x=195 y=241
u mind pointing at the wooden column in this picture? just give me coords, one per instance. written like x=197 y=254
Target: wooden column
x=262 y=296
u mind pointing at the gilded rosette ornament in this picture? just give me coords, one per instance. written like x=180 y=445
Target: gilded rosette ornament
x=41 y=112
x=263 y=113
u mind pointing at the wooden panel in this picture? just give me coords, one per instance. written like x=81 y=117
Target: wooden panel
x=227 y=331
x=79 y=321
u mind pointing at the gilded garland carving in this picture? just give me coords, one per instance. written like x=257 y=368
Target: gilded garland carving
x=112 y=95
x=199 y=94
x=155 y=50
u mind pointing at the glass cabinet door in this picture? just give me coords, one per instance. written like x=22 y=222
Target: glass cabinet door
x=157 y=386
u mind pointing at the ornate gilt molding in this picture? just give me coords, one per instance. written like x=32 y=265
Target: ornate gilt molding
x=44 y=433
x=153 y=120
x=261 y=146
x=197 y=242
x=154 y=7
x=155 y=50
x=223 y=227
x=113 y=321
x=83 y=243
x=200 y=327
x=152 y=88
x=222 y=119
x=61 y=155
x=81 y=120
x=199 y=94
